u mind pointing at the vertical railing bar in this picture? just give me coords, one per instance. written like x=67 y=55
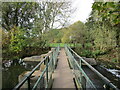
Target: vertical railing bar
x=28 y=83
x=47 y=69
x=80 y=63
x=52 y=61
x=43 y=82
x=38 y=80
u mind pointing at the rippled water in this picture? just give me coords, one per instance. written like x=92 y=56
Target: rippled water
x=115 y=72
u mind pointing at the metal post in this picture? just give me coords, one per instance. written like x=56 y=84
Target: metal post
x=83 y=83
x=80 y=63
x=28 y=83
x=54 y=57
x=47 y=69
x=53 y=61
x=42 y=84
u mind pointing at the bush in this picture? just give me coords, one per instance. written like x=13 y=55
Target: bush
x=86 y=53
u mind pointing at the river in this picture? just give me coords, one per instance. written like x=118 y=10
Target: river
x=10 y=74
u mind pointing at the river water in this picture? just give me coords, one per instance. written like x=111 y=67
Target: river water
x=115 y=72
x=111 y=74
x=10 y=73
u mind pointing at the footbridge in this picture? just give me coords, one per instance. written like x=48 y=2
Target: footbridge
x=64 y=68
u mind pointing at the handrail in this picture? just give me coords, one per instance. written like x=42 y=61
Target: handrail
x=46 y=69
x=107 y=81
x=27 y=78
x=77 y=67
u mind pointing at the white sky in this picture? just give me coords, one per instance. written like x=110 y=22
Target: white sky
x=83 y=9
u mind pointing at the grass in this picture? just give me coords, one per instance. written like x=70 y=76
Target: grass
x=63 y=44
x=60 y=44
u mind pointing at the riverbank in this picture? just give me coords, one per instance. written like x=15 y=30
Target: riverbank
x=109 y=60
x=11 y=69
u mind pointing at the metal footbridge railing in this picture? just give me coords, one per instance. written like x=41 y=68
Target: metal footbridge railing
x=45 y=78
x=81 y=78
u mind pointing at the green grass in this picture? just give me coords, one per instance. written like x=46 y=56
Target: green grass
x=60 y=44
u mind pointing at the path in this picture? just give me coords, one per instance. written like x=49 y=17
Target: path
x=63 y=76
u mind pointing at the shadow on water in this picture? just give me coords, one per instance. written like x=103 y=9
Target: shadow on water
x=10 y=74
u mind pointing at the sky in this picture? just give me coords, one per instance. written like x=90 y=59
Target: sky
x=83 y=9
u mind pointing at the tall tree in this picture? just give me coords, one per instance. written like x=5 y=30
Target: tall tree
x=109 y=11
x=18 y=14
x=104 y=23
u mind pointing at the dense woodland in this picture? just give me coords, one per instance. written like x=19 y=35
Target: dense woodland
x=28 y=28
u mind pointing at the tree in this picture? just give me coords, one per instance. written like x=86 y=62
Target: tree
x=103 y=25
x=75 y=33
x=24 y=23
x=18 y=14
x=53 y=36
x=38 y=16
x=54 y=12
x=18 y=40
x=109 y=11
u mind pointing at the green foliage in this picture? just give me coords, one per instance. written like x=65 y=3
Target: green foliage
x=108 y=10
x=75 y=33
x=17 y=45
x=27 y=28
x=18 y=14
x=24 y=23
x=17 y=41
x=53 y=36
x=103 y=26
x=97 y=52
x=5 y=39
x=104 y=37
x=114 y=60
x=66 y=37
x=60 y=44
x=86 y=53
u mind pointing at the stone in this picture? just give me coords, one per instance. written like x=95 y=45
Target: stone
x=91 y=61
x=33 y=78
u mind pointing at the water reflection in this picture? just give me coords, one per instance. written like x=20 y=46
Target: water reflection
x=11 y=70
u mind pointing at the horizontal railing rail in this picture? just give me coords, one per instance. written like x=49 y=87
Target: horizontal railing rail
x=50 y=62
x=107 y=82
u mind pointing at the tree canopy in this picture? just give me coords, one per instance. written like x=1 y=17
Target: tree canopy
x=24 y=23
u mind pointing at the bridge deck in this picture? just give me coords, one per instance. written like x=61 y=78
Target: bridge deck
x=63 y=76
